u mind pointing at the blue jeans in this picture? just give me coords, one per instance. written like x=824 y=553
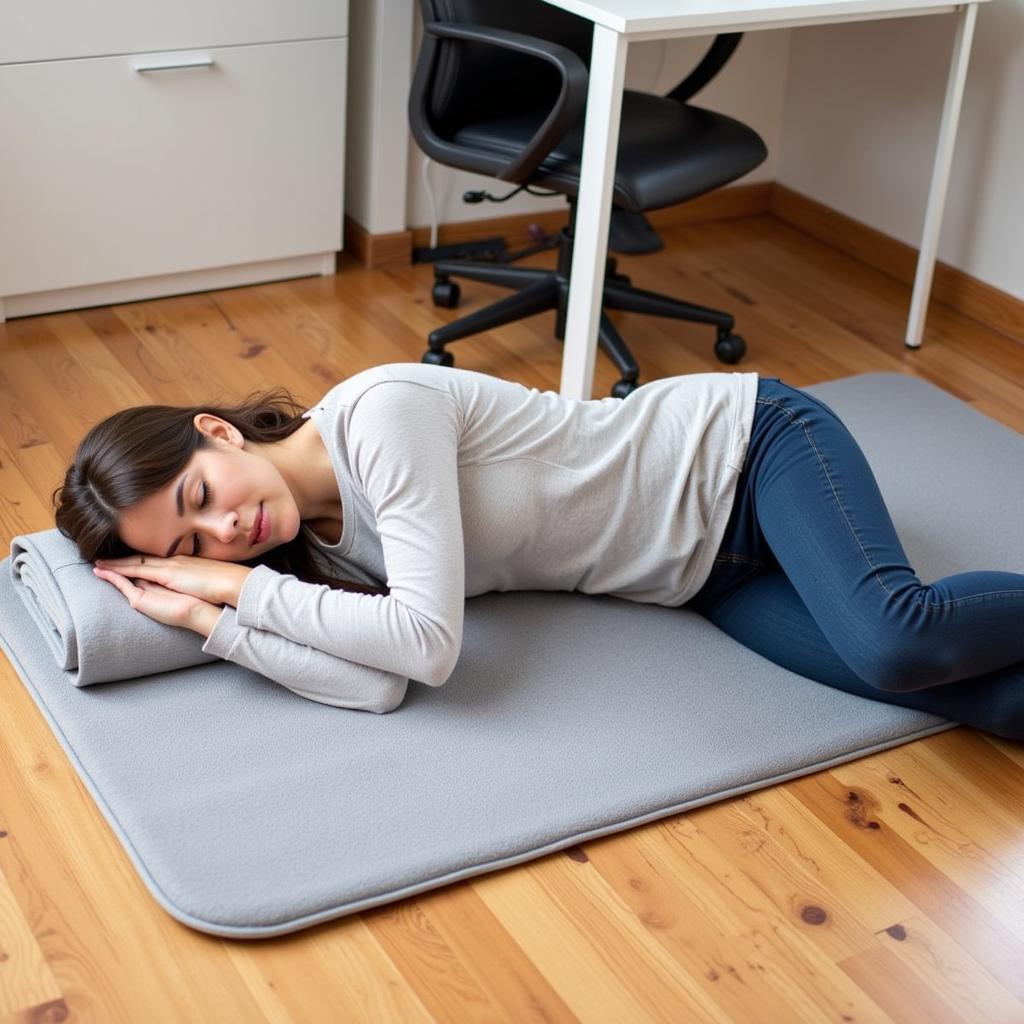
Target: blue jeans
x=812 y=575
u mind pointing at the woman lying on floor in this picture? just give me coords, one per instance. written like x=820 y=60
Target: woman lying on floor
x=269 y=530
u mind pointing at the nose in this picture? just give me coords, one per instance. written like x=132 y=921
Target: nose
x=224 y=527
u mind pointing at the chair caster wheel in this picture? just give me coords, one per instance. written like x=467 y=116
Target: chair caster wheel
x=730 y=348
x=623 y=279
x=446 y=293
x=623 y=388
x=442 y=358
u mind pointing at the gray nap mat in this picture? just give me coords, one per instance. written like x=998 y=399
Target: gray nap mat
x=250 y=811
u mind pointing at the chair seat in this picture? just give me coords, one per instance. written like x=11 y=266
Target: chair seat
x=668 y=151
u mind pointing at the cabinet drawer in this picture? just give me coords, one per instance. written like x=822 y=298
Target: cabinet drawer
x=59 y=29
x=108 y=173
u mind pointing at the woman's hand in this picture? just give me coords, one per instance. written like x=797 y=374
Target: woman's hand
x=205 y=578
x=164 y=605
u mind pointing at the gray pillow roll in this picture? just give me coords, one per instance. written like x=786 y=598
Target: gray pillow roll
x=94 y=634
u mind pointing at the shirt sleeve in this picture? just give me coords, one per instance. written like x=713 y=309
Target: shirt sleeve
x=403 y=446
x=309 y=673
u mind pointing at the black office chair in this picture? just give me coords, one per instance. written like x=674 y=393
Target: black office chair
x=500 y=89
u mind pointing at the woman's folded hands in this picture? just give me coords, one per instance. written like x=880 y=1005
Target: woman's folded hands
x=183 y=590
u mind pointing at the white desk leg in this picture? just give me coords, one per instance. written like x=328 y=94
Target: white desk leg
x=940 y=174
x=593 y=209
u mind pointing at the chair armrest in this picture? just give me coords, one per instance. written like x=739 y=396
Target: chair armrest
x=567 y=108
x=713 y=61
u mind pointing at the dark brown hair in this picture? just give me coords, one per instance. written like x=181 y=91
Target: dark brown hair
x=137 y=451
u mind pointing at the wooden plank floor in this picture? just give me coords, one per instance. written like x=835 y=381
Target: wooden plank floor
x=887 y=889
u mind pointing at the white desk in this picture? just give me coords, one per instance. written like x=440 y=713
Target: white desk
x=620 y=22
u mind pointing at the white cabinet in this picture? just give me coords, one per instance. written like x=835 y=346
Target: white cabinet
x=126 y=175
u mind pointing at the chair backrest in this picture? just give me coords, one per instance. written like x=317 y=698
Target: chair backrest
x=463 y=83
x=466 y=79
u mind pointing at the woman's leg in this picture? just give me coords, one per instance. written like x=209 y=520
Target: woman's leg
x=765 y=613
x=808 y=503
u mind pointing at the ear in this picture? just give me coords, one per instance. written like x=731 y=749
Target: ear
x=217 y=429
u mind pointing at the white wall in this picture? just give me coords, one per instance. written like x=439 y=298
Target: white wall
x=377 y=140
x=750 y=88
x=863 y=103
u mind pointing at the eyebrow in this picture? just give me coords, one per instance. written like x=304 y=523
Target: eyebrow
x=180 y=502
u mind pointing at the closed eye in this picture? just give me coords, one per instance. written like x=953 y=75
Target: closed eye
x=203 y=502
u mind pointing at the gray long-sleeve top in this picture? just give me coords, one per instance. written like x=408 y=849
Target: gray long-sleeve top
x=454 y=483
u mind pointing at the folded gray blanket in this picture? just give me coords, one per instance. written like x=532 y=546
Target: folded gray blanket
x=94 y=634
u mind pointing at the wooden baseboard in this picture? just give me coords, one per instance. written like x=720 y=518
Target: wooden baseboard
x=514 y=229
x=396 y=249
x=976 y=299
x=739 y=201
x=724 y=203
x=378 y=251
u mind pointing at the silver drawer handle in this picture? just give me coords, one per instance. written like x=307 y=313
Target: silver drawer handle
x=199 y=62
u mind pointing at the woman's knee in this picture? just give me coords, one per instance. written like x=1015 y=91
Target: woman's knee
x=901 y=664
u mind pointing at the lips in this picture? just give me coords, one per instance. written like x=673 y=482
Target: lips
x=257 y=526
